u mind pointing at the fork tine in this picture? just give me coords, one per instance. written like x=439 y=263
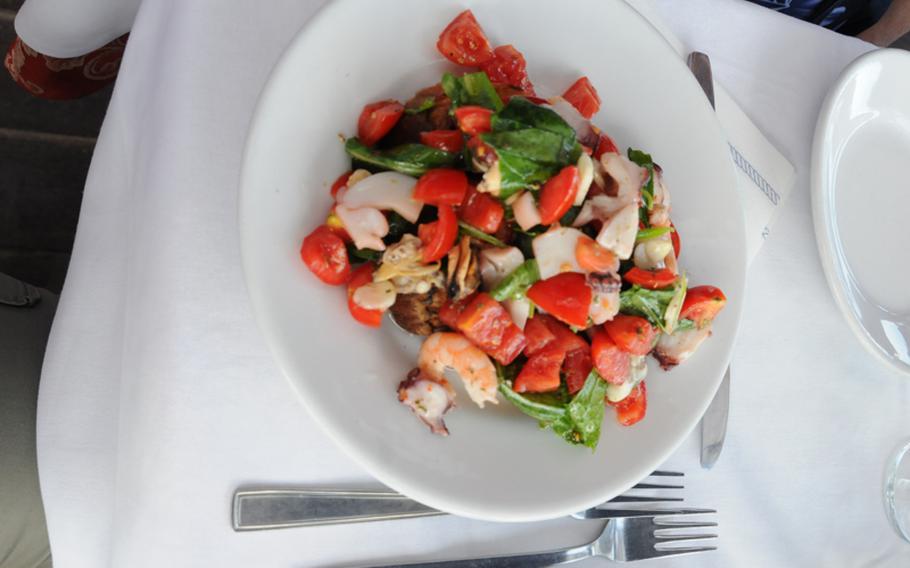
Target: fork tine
x=656 y=486
x=595 y=513
x=663 y=523
x=640 y=499
x=679 y=551
x=664 y=473
x=662 y=538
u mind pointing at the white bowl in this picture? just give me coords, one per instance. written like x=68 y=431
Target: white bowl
x=496 y=464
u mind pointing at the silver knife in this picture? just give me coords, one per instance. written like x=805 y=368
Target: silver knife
x=714 y=422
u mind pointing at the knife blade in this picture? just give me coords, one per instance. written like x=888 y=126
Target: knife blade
x=714 y=422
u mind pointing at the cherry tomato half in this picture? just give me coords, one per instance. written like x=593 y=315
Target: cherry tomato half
x=632 y=408
x=442 y=186
x=541 y=371
x=632 y=334
x=592 y=257
x=340 y=182
x=702 y=304
x=557 y=195
x=565 y=296
x=439 y=236
x=605 y=145
x=611 y=362
x=651 y=279
x=377 y=119
x=463 y=41
x=363 y=275
x=508 y=66
x=473 y=119
x=325 y=255
x=445 y=140
x=481 y=210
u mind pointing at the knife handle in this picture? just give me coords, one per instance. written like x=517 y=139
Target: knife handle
x=282 y=508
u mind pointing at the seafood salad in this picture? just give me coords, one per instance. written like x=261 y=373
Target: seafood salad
x=539 y=262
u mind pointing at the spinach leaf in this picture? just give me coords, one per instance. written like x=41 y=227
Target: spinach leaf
x=647 y=191
x=473 y=231
x=410 y=159
x=425 y=105
x=517 y=173
x=520 y=114
x=517 y=282
x=398 y=226
x=578 y=422
x=471 y=89
x=533 y=144
x=649 y=304
x=363 y=255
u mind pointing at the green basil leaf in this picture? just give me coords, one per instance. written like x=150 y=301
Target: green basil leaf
x=411 y=159
x=425 y=105
x=471 y=89
x=473 y=231
x=517 y=283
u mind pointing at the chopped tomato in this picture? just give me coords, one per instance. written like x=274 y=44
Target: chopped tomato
x=631 y=333
x=325 y=255
x=363 y=275
x=674 y=238
x=651 y=279
x=605 y=145
x=565 y=296
x=449 y=312
x=557 y=195
x=488 y=325
x=541 y=372
x=632 y=408
x=702 y=304
x=576 y=368
x=594 y=258
x=567 y=339
x=473 y=119
x=508 y=66
x=340 y=182
x=611 y=362
x=481 y=210
x=445 y=140
x=439 y=236
x=463 y=41
x=538 y=334
x=377 y=119
x=583 y=96
x=442 y=186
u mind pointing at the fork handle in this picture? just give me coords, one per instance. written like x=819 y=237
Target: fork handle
x=270 y=509
x=540 y=559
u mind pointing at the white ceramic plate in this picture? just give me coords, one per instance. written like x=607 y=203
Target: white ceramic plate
x=496 y=464
x=861 y=200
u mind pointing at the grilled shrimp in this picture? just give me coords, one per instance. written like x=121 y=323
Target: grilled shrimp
x=444 y=349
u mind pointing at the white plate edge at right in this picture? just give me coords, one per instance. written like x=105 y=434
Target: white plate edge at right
x=822 y=215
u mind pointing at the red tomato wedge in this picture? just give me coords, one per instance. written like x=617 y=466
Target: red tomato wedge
x=594 y=258
x=702 y=304
x=605 y=145
x=473 y=119
x=377 y=119
x=449 y=312
x=651 y=279
x=632 y=334
x=445 y=140
x=325 y=255
x=576 y=368
x=566 y=339
x=583 y=96
x=557 y=195
x=442 y=186
x=340 y=182
x=483 y=211
x=610 y=361
x=508 y=66
x=541 y=372
x=488 y=325
x=463 y=41
x=439 y=236
x=674 y=238
x=632 y=408
x=363 y=275
x=538 y=334
x=565 y=296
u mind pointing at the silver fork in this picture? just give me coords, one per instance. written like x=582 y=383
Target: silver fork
x=622 y=540
x=259 y=509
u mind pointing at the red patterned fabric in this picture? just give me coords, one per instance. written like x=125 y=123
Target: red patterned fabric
x=70 y=78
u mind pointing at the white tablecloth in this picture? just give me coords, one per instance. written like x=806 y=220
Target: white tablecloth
x=159 y=397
